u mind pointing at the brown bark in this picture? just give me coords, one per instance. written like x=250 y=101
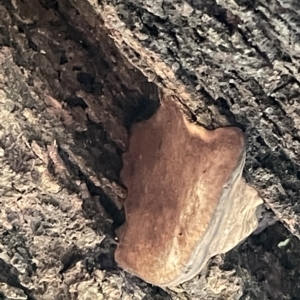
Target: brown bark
x=75 y=75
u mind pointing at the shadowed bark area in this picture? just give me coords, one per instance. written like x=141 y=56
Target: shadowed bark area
x=75 y=75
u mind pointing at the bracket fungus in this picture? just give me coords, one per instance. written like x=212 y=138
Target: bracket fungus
x=187 y=200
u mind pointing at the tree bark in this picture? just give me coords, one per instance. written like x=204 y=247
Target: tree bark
x=75 y=75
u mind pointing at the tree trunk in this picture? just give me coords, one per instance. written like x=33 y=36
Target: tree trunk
x=75 y=75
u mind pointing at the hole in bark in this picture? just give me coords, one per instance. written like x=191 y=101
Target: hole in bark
x=70 y=258
x=76 y=101
x=106 y=262
x=63 y=59
x=87 y=80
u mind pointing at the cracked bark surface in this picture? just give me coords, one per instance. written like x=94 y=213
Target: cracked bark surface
x=75 y=75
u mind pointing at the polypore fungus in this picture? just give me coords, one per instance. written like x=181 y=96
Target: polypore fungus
x=186 y=200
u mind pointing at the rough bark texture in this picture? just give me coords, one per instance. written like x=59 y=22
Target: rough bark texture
x=75 y=75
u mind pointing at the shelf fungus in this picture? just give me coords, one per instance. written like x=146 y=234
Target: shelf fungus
x=187 y=200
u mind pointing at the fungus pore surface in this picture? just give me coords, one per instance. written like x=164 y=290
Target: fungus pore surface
x=187 y=200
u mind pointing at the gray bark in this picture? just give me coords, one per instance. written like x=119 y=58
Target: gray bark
x=75 y=75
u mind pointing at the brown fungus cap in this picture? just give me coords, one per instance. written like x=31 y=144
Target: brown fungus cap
x=186 y=198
